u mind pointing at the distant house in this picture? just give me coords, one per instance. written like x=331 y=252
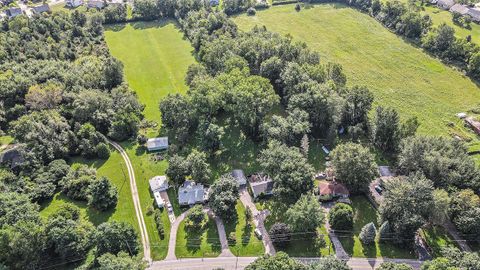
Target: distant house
x=445 y=4
x=191 y=193
x=6 y=2
x=41 y=9
x=260 y=185
x=458 y=8
x=385 y=171
x=12 y=157
x=96 y=4
x=155 y=144
x=14 y=12
x=240 y=177
x=474 y=13
x=474 y=124
x=74 y=3
x=332 y=190
x=158 y=183
x=214 y=3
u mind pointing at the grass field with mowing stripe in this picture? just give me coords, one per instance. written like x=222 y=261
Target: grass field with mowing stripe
x=399 y=74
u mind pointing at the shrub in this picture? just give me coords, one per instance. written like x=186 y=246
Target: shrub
x=297 y=7
x=251 y=11
x=385 y=231
x=142 y=139
x=159 y=222
x=102 y=151
x=368 y=234
x=102 y=194
x=150 y=210
x=280 y=234
x=341 y=217
x=232 y=238
x=195 y=217
x=320 y=241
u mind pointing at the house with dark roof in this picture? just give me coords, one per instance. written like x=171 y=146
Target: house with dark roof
x=260 y=185
x=474 y=13
x=445 y=4
x=14 y=12
x=332 y=190
x=41 y=9
x=458 y=8
x=239 y=175
x=190 y=193
x=74 y=3
x=96 y=4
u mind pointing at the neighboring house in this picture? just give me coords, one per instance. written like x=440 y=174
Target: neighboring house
x=74 y=3
x=475 y=125
x=158 y=183
x=240 y=177
x=433 y=2
x=191 y=193
x=332 y=190
x=458 y=8
x=41 y=9
x=474 y=13
x=96 y=4
x=12 y=157
x=214 y=3
x=13 y=12
x=6 y=2
x=385 y=171
x=155 y=144
x=445 y=4
x=260 y=185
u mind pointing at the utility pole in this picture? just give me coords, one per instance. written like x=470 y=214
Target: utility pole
x=236 y=262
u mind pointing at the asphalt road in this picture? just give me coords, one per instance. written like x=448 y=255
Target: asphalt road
x=234 y=263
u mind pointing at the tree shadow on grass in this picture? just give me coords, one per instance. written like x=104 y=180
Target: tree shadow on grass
x=212 y=239
x=246 y=234
x=193 y=237
x=140 y=25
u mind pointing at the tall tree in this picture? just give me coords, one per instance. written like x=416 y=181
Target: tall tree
x=386 y=130
x=306 y=214
x=223 y=196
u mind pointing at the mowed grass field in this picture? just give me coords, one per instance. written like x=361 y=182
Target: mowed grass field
x=399 y=74
x=155 y=57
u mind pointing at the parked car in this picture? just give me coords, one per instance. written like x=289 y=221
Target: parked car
x=258 y=233
x=169 y=207
x=379 y=189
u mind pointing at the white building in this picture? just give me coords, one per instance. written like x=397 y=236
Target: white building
x=158 y=183
x=155 y=144
x=74 y=3
x=191 y=193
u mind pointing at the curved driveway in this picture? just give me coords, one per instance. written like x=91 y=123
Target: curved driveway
x=136 y=202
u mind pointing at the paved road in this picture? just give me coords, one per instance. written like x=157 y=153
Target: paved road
x=258 y=219
x=230 y=263
x=136 y=202
x=452 y=230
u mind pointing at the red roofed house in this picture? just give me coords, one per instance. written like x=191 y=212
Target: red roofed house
x=332 y=190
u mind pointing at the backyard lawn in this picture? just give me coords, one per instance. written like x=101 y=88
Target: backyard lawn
x=5 y=140
x=399 y=74
x=365 y=213
x=437 y=238
x=247 y=243
x=198 y=243
x=114 y=168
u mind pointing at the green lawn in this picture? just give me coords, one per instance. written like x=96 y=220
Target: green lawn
x=198 y=243
x=399 y=74
x=5 y=140
x=437 y=238
x=365 y=213
x=246 y=242
x=114 y=168
x=155 y=58
x=300 y=245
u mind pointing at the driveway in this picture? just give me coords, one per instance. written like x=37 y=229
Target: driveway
x=173 y=236
x=171 y=215
x=222 y=235
x=136 y=202
x=339 y=250
x=456 y=235
x=258 y=219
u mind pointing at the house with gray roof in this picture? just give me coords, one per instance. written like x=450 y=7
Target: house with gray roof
x=14 y=12
x=158 y=183
x=156 y=144
x=96 y=4
x=41 y=9
x=458 y=8
x=191 y=193
x=260 y=185
x=474 y=13
x=239 y=175
x=445 y=4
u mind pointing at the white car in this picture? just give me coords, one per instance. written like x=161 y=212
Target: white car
x=169 y=207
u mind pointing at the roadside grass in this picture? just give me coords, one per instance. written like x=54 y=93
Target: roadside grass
x=301 y=244
x=198 y=243
x=246 y=243
x=365 y=213
x=115 y=169
x=399 y=74
x=437 y=238
x=155 y=57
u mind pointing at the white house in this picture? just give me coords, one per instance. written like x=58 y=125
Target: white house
x=158 y=183
x=74 y=3
x=191 y=193
x=155 y=144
